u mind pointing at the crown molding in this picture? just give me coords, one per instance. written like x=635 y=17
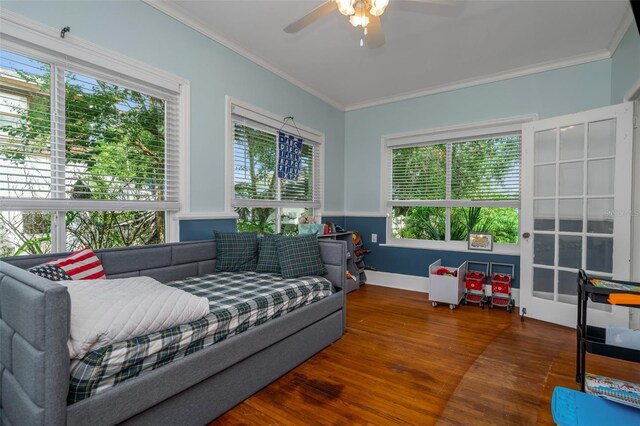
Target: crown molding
x=491 y=78
x=621 y=30
x=176 y=13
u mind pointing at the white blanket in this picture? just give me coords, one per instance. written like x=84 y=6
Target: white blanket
x=108 y=311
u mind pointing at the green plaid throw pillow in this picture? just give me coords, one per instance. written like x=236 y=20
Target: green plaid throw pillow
x=299 y=256
x=268 y=261
x=236 y=251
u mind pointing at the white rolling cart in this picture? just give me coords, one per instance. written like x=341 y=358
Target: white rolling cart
x=446 y=284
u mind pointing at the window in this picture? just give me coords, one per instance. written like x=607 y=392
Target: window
x=443 y=185
x=87 y=156
x=263 y=201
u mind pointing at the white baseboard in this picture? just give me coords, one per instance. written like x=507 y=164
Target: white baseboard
x=415 y=283
x=400 y=281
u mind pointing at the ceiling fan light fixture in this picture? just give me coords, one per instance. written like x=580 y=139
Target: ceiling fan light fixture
x=360 y=17
x=346 y=7
x=378 y=7
x=359 y=20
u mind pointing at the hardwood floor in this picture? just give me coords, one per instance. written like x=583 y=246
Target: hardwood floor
x=402 y=361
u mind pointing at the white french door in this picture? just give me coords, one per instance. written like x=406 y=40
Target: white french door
x=576 y=211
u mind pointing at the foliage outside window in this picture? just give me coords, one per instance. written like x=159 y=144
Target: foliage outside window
x=443 y=191
x=98 y=163
x=264 y=202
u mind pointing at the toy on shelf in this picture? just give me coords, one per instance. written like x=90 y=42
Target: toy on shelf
x=474 y=283
x=357 y=238
x=446 y=284
x=447 y=272
x=501 y=286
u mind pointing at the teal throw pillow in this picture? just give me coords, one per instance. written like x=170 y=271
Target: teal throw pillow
x=268 y=261
x=236 y=251
x=299 y=256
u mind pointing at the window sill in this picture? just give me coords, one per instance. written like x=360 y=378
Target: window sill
x=500 y=249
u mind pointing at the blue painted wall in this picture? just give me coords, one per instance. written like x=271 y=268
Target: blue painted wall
x=139 y=31
x=410 y=261
x=625 y=65
x=548 y=94
x=195 y=230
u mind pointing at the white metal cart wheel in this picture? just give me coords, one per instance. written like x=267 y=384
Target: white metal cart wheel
x=434 y=304
x=452 y=306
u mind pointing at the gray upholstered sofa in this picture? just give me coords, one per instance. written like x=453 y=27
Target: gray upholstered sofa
x=34 y=360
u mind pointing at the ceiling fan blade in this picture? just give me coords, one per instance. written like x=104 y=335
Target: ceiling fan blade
x=317 y=13
x=375 y=36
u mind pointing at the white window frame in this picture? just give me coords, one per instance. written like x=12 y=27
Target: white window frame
x=43 y=43
x=267 y=118
x=472 y=131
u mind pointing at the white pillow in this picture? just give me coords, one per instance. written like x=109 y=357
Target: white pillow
x=109 y=311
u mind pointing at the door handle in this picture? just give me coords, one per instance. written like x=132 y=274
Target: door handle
x=526 y=235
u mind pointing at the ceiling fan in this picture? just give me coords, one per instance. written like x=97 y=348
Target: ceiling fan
x=361 y=13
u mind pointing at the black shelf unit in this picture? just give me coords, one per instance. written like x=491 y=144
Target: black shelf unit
x=591 y=339
x=355 y=264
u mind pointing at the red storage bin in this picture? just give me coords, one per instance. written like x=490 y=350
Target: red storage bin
x=501 y=287
x=475 y=280
x=501 y=283
x=474 y=283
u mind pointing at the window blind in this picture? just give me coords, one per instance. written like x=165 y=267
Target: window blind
x=255 y=158
x=96 y=144
x=25 y=127
x=456 y=172
x=418 y=173
x=487 y=169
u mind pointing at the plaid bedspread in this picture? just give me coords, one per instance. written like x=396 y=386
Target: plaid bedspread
x=237 y=302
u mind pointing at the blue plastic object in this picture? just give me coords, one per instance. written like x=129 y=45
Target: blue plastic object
x=573 y=408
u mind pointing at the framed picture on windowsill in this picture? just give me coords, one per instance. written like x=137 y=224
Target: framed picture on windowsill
x=479 y=241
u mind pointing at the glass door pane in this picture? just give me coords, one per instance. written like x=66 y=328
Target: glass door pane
x=571 y=178
x=545 y=146
x=602 y=138
x=545 y=181
x=570 y=212
x=600 y=215
x=567 y=286
x=572 y=142
x=600 y=176
x=544 y=214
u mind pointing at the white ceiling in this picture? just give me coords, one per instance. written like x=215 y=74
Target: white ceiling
x=430 y=47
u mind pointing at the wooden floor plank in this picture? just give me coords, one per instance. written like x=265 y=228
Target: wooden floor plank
x=402 y=361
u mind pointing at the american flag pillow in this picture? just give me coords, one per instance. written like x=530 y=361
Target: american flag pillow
x=81 y=265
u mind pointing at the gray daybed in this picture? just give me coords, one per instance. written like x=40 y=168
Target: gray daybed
x=34 y=359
